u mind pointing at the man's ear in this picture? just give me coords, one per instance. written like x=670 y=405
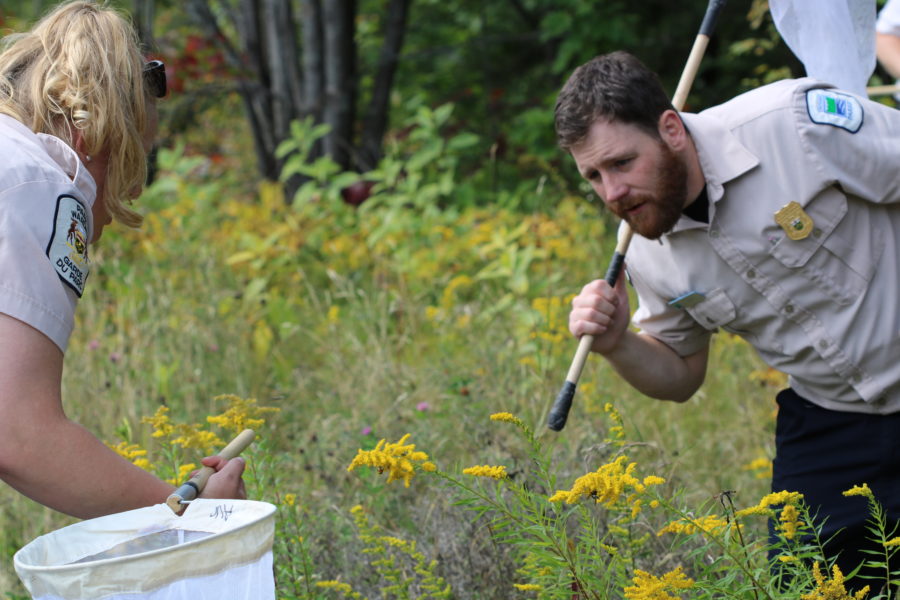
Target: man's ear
x=672 y=131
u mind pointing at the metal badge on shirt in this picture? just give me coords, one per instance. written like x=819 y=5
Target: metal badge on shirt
x=68 y=247
x=794 y=220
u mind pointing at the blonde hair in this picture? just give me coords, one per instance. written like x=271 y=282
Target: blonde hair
x=81 y=67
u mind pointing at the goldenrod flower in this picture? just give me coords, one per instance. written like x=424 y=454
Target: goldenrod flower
x=606 y=485
x=160 y=421
x=340 y=586
x=860 y=490
x=892 y=542
x=710 y=524
x=498 y=472
x=527 y=587
x=762 y=466
x=242 y=413
x=769 y=500
x=398 y=459
x=334 y=313
x=193 y=437
x=290 y=499
x=649 y=587
x=832 y=589
x=787 y=558
x=506 y=417
x=789 y=521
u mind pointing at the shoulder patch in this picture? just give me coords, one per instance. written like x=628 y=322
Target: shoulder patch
x=829 y=107
x=68 y=247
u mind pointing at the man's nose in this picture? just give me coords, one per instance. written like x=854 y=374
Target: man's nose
x=614 y=189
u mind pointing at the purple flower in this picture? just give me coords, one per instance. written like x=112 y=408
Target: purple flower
x=423 y=406
x=93 y=345
x=366 y=430
x=115 y=357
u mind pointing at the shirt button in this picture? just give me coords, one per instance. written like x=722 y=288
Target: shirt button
x=789 y=308
x=817 y=233
x=823 y=344
x=751 y=273
x=855 y=378
x=714 y=233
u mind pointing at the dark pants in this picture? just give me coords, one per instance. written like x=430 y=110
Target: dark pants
x=821 y=453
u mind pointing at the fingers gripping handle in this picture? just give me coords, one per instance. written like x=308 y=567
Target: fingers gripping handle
x=194 y=486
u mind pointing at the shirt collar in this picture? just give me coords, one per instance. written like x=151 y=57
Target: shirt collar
x=722 y=158
x=67 y=159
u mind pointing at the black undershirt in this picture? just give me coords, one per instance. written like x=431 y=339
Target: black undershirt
x=698 y=210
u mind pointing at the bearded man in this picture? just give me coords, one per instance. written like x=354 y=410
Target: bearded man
x=774 y=217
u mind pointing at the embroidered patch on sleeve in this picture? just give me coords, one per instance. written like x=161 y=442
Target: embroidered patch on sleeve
x=828 y=107
x=68 y=247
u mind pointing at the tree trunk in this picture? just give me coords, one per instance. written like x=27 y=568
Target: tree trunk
x=376 y=119
x=339 y=110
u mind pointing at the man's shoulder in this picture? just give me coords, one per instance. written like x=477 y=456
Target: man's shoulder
x=767 y=100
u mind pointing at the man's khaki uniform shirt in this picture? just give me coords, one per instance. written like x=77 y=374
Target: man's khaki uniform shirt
x=45 y=227
x=823 y=308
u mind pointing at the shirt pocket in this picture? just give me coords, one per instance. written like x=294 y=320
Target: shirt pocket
x=714 y=311
x=840 y=254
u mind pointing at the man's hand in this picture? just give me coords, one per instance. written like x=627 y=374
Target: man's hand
x=226 y=482
x=601 y=311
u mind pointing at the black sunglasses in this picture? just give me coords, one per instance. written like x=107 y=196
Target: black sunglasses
x=155 y=78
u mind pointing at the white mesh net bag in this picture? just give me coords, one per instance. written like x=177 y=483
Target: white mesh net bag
x=217 y=550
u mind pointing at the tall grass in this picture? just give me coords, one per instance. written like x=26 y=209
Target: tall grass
x=368 y=324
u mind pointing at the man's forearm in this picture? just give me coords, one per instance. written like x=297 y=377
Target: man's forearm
x=655 y=369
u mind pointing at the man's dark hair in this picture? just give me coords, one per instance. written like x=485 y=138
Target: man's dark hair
x=616 y=87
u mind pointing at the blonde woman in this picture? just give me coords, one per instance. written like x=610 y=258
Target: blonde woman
x=77 y=118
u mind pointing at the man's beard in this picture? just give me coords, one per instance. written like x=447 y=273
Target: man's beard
x=663 y=206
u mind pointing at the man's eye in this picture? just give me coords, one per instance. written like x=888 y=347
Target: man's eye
x=622 y=162
x=592 y=175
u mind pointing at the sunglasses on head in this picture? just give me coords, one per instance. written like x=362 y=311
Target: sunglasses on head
x=155 y=78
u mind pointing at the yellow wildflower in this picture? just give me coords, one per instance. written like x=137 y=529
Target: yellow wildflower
x=340 y=586
x=242 y=413
x=398 y=459
x=892 y=542
x=832 y=589
x=787 y=558
x=710 y=524
x=193 y=437
x=790 y=521
x=185 y=470
x=334 y=314
x=769 y=500
x=649 y=587
x=498 y=472
x=128 y=451
x=762 y=466
x=606 y=485
x=506 y=417
x=527 y=587
x=860 y=490
x=160 y=421
x=290 y=499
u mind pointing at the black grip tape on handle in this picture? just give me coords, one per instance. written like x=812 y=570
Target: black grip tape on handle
x=709 y=19
x=560 y=411
x=615 y=266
